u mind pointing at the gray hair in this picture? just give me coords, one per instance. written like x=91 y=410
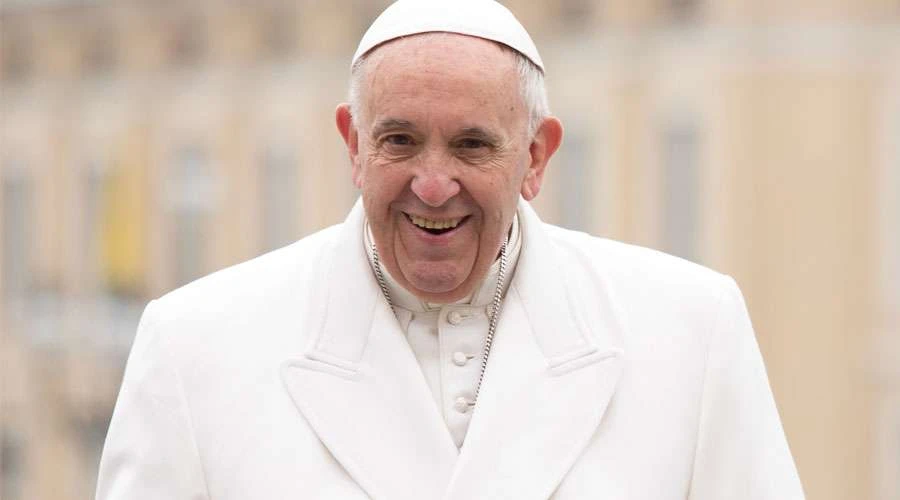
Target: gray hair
x=531 y=87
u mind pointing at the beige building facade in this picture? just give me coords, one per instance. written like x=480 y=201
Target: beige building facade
x=144 y=144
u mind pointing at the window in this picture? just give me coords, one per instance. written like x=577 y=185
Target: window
x=17 y=227
x=90 y=431
x=279 y=32
x=191 y=202
x=681 y=183
x=93 y=183
x=12 y=460
x=893 y=222
x=576 y=14
x=280 y=206
x=681 y=11
x=576 y=181
x=99 y=56
x=15 y=54
x=189 y=42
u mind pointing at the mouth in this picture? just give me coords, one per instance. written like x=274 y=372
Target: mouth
x=435 y=226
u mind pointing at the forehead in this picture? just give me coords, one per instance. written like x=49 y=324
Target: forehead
x=442 y=72
x=441 y=47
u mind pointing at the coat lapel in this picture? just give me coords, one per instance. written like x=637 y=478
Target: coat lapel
x=359 y=386
x=556 y=360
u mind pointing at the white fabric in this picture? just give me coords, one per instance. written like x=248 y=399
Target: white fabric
x=617 y=372
x=447 y=339
x=480 y=18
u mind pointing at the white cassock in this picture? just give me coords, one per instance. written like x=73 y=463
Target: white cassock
x=616 y=373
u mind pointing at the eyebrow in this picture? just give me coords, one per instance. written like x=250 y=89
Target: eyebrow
x=386 y=124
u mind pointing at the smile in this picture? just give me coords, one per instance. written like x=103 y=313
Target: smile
x=435 y=226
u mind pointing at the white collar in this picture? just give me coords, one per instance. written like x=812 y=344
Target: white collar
x=482 y=294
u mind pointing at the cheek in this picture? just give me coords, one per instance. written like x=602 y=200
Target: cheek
x=382 y=185
x=504 y=188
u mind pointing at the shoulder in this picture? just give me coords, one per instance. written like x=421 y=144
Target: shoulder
x=240 y=305
x=642 y=278
x=253 y=279
x=668 y=309
x=637 y=262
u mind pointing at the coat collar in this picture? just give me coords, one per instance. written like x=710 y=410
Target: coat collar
x=555 y=362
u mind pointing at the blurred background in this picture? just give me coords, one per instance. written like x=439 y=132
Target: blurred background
x=145 y=143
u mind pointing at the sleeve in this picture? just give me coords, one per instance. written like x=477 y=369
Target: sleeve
x=150 y=451
x=742 y=453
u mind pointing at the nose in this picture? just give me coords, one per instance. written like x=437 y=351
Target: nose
x=434 y=185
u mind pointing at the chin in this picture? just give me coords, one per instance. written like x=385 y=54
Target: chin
x=437 y=285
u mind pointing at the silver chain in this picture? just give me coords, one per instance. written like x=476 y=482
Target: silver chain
x=495 y=314
x=379 y=275
x=496 y=304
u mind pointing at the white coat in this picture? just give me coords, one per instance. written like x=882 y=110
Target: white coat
x=616 y=373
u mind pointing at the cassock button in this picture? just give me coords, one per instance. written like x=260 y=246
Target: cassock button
x=454 y=318
x=461 y=404
x=460 y=358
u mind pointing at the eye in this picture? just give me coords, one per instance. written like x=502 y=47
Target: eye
x=398 y=140
x=471 y=144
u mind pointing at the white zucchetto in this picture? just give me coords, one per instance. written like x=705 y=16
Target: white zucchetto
x=480 y=18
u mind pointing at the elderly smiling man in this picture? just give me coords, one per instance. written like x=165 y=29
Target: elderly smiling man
x=443 y=342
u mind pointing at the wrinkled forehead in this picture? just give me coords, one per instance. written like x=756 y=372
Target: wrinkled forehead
x=463 y=64
x=434 y=50
x=444 y=72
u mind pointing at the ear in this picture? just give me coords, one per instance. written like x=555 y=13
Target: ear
x=344 y=120
x=546 y=141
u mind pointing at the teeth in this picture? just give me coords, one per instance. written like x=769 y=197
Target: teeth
x=434 y=224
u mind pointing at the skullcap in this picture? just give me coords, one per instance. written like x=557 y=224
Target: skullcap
x=480 y=18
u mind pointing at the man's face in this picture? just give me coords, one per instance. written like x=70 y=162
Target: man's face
x=441 y=154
